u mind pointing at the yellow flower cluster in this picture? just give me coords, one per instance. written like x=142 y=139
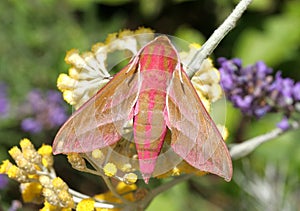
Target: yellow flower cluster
x=34 y=170
x=206 y=80
x=90 y=70
x=122 y=171
x=110 y=170
x=123 y=189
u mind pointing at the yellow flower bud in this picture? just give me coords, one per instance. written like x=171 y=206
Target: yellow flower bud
x=45 y=181
x=47 y=161
x=66 y=199
x=47 y=158
x=45 y=150
x=26 y=144
x=51 y=196
x=6 y=164
x=76 y=161
x=59 y=184
x=17 y=174
x=15 y=152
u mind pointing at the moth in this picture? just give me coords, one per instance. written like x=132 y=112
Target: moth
x=154 y=93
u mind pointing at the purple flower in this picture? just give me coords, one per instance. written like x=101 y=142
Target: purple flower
x=45 y=111
x=283 y=124
x=263 y=110
x=15 y=205
x=256 y=92
x=243 y=102
x=282 y=91
x=296 y=91
x=31 y=125
x=246 y=87
x=4 y=102
x=3 y=181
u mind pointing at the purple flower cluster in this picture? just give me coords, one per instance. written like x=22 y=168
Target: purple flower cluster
x=43 y=111
x=4 y=102
x=285 y=94
x=256 y=92
x=3 y=181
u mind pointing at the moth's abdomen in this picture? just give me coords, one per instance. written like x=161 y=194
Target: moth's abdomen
x=149 y=128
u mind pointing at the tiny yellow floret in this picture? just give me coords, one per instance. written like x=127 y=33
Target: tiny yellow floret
x=97 y=154
x=224 y=131
x=45 y=150
x=65 y=82
x=111 y=37
x=31 y=192
x=175 y=171
x=74 y=74
x=50 y=207
x=142 y=30
x=74 y=58
x=68 y=97
x=86 y=205
x=25 y=144
x=130 y=178
x=15 y=152
x=4 y=167
x=126 y=167
x=13 y=172
x=110 y=169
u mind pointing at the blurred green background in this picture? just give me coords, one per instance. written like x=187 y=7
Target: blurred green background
x=35 y=35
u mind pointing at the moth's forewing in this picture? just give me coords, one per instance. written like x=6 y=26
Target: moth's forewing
x=195 y=136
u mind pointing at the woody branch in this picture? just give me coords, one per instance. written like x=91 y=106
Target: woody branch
x=243 y=149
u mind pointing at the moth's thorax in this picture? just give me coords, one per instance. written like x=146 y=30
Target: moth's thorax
x=157 y=62
x=160 y=55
